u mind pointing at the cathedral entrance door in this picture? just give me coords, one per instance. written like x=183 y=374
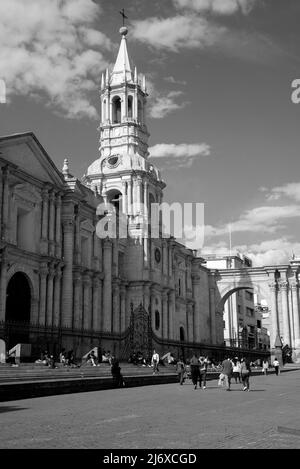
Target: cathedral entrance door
x=18 y=306
x=141 y=332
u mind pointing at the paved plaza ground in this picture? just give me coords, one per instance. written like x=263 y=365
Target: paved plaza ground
x=164 y=416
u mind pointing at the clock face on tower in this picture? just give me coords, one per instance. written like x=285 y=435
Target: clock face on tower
x=157 y=255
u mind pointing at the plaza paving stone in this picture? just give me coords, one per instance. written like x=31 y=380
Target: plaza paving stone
x=165 y=416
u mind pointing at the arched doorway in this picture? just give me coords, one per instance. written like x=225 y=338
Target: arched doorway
x=18 y=307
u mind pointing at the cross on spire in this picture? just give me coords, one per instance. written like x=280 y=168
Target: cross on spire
x=122 y=12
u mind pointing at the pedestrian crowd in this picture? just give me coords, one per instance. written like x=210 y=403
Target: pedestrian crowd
x=237 y=369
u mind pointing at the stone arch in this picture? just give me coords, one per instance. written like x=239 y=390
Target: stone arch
x=229 y=289
x=116 y=109
x=114 y=197
x=30 y=276
x=181 y=334
x=130 y=106
x=19 y=306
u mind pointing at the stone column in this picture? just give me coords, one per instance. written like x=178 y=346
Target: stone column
x=164 y=259
x=138 y=194
x=3 y=284
x=145 y=202
x=45 y=203
x=67 y=283
x=57 y=290
x=51 y=223
x=274 y=315
x=96 y=303
x=285 y=313
x=170 y=260
x=107 y=114
x=49 y=315
x=295 y=304
x=134 y=197
x=96 y=249
x=58 y=226
x=152 y=309
x=43 y=293
x=165 y=319
x=129 y=196
x=77 y=240
x=212 y=313
x=87 y=319
x=124 y=197
x=135 y=104
x=5 y=204
x=1 y=200
x=123 y=307
x=172 y=306
x=77 y=299
x=116 y=309
x=196 y=295
x=190 y=322
x=107 y=285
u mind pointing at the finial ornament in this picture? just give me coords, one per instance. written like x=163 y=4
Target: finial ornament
x=65 y=169
x=124 y=30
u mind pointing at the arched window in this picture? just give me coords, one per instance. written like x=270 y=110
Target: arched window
x=129 y=106
x=140 y=111
x=157 y=320
x=114 y=197
x=104 y=111
x=181 y=334
x=116 y=110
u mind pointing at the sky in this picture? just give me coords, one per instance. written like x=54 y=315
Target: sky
x=223 y=128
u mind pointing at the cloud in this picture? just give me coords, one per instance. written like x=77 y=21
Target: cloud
x=271 y=252
x=217 y=7
x=160 y=106
x=265 y=219
x=290 y=190
x=171 y=79
x=181 y=31
x=47 y=52
x=179 y=155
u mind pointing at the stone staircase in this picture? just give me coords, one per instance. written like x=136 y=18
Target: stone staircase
x=36 y=380
x=40 y=372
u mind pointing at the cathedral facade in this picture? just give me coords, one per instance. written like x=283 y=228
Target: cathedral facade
x=67 y=282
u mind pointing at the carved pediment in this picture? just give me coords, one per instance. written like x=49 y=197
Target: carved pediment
x=26 y=192
x=26 y=152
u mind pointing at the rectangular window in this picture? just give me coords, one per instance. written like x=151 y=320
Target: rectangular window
x=250 y=312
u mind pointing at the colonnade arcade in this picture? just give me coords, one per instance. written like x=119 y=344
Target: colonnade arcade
x=279 y=286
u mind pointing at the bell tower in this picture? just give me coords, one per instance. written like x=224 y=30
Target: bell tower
x=123 y=101
x=122 y=174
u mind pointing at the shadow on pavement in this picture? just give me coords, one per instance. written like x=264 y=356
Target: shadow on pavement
x=10 y=408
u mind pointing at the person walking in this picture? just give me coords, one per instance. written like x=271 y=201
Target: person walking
x=236 y=370
x=194 y=363
x=245 y=372
x=180 y=368
x=203 y=364
x=276 y=365
x=227 y=372
x=155 y=362
x=265 y=367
